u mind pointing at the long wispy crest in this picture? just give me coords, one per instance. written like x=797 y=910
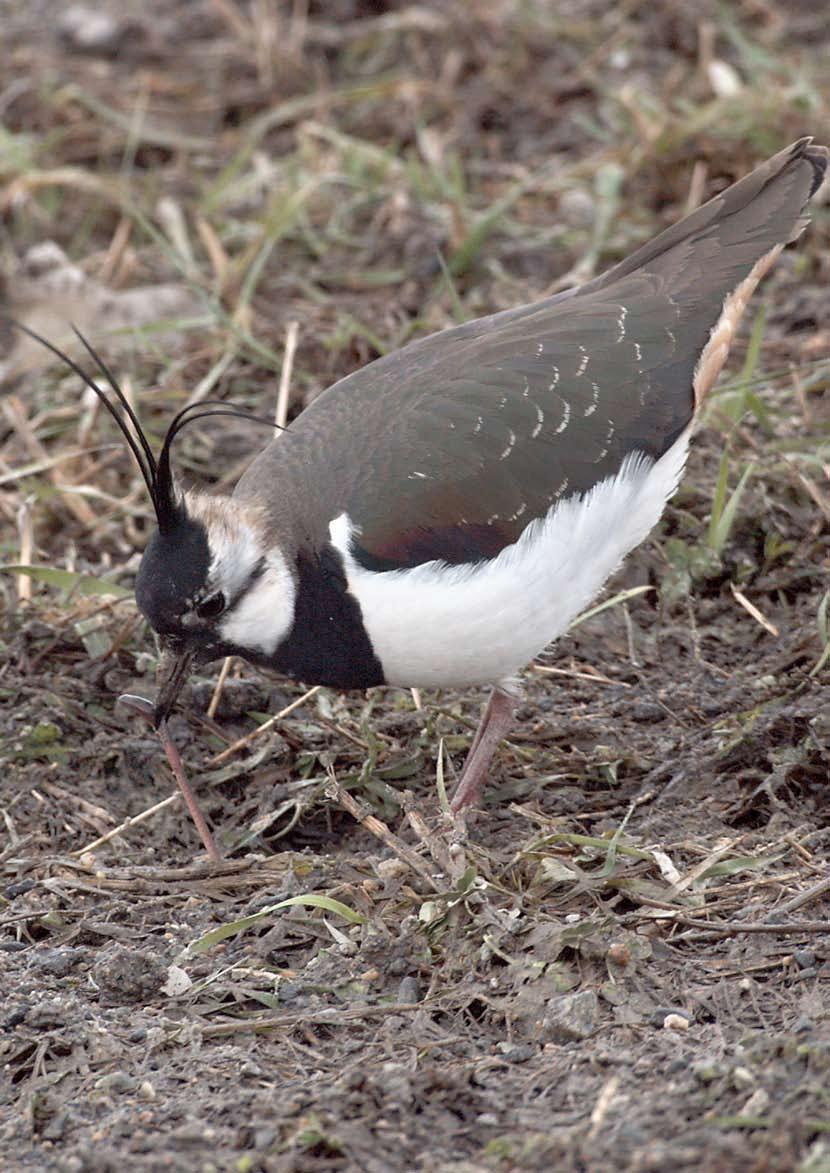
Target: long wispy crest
x=155 y=471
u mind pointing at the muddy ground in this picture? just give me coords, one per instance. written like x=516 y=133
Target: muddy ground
x=624 y=961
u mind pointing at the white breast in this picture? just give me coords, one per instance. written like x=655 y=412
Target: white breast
x=438 y=625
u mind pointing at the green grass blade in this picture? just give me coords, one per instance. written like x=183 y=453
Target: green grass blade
x=724 y=511
x=457 y=307
x=614 y=601
x=68 y=580
x=312 y=900
x=824 y=634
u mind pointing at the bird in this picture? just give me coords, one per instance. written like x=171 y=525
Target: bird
x=440 y=516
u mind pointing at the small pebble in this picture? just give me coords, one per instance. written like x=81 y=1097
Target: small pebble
x=708 y=1070
x=571 y=1017
x=647 y=711
x=661 y=1013
x=125 y=976
x=88 y=30
x=115 y=1082
x=517 y=1052
x=577 y=207
x=56 y=1127
x=757 y=1104
x=724 y=79
x=178 y=982
x=619 y=954
x=409 y=991
x=56 y=962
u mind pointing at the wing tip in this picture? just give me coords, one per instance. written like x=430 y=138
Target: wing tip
x=816 y=155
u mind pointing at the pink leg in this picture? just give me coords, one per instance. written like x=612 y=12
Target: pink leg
x=495 y=722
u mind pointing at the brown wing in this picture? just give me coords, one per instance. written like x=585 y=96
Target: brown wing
x=448 y=448
x=544 y=413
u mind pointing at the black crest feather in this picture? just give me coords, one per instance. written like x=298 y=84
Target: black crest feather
x=156 y=471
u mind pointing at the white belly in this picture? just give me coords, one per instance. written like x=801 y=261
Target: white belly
x=440 y=626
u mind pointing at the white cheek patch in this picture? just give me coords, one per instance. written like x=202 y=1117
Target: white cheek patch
x=260 y=601
x=234 y=539
x=439 y=626
x=264 y=615
x=236 y=555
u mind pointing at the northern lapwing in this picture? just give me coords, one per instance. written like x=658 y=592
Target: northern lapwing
x=437 y=518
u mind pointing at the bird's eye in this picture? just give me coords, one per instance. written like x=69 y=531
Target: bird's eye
x=211 y=607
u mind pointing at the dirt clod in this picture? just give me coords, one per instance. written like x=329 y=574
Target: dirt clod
x=125 y=976
x=570 y=1017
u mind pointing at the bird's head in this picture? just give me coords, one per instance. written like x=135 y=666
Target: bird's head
x=209 y=583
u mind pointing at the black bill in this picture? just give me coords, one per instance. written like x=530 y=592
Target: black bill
x=174 y=669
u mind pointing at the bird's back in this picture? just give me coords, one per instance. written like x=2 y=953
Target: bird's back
x=454 y=443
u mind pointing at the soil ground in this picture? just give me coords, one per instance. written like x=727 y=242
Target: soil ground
x=624 y=962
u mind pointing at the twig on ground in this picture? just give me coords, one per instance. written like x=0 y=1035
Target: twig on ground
x=291 y=335
x=266 y=727
x=379 y=829
x=802 y=898
x=219 y=687
x=132 y=821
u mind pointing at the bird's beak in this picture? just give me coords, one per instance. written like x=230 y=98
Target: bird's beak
x=173 y=671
